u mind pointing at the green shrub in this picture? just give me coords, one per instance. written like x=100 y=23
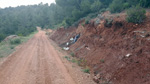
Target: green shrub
x=108 y=22
x=2 y=37
x=136 y=14
x=96 y=6
x=102 y=60
x=72 y=54
x=144 y=3
x=91 y=15
x=73 y=61
x=15 y=41
x=20 y=34
x=79 y=62
x=68 y=58
x=116 y=6
x=86 y=70
x=126 y=5
x=87 y=22
x=102 y=10
x=12 y=47
x=83 y=24
x=1 y=56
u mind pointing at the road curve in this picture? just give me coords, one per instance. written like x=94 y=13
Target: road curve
x=36 y=62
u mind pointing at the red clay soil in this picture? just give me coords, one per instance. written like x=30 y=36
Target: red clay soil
x=105 y=49
x=61 y=33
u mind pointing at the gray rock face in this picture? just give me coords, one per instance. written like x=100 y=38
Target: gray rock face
x=10 y=37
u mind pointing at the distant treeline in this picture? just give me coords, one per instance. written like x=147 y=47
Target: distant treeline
x=23 y=20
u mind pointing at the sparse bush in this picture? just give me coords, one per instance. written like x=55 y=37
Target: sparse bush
x=108 y=22
x=92 y=15
x=96 y=6
x=102 y=10
x=76 y=23
x=2 y=37
x=126 y=5
x=116 y=6
x=64 y=24
x=102 y=60
x=79 y=62
x=136 y=14
x=1 y=56
x=11 y=47
x=68 y=58
x=83 y=24
x=144 y=3
x=20 y=34
x=87 y=22
x=73 y=61
x=86 y=70
x=72 y=54
x=15 y=41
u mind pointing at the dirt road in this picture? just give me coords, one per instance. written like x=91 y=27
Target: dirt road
x=36 y=62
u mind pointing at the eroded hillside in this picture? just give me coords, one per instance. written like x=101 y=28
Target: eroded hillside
x=116 y=51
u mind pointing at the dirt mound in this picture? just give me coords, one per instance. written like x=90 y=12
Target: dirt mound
x=116 y=54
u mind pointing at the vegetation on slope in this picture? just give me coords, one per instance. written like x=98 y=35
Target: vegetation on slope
x=7 y=47
x=22 y=20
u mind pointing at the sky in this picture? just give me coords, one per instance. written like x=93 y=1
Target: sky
x=14 y=3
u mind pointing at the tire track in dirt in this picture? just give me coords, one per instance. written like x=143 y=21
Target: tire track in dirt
x=36 y=62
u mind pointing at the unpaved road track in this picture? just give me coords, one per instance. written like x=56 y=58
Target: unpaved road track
x=36 y=62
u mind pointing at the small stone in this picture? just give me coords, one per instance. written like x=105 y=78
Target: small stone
x=67 y=43
x=66 y=48
x=96 y=79
x=128 y=55
x=142 y=36
x=71 y=39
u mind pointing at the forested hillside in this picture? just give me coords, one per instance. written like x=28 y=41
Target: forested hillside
x=23 y=20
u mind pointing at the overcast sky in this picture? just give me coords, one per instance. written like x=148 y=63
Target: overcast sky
x=14 y=3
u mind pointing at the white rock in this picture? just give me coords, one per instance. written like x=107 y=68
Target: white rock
x=10 y=37
x=142 y=36
x=71 y=39
x=66 y=48
x=128 y=55
x=88 y=48
x=67 y=43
